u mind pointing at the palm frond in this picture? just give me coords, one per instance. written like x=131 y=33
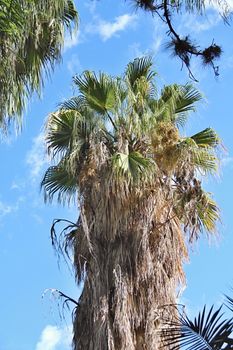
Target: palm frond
x=99 y=92
x=67 y=131
x=208 y=331
x=70 y=14
x=188 y=96
x=59 y=182
x=229 y=303
x=208 y=212
x=133 y=165
x=206 y=138
x=76 y=103
x=176 y=102
x=202 y=158
x=205 y=161
x=60 y=130
x=140 y=67
x=33 y=37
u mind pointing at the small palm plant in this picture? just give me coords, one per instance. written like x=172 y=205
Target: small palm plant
x=119 y=153
x=208 y=331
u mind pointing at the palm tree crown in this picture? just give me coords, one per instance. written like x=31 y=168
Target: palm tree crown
x=32 y=35
x=119 y=150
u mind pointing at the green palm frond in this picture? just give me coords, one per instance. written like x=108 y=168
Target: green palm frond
x=205 y=161
x=133 y=165
x=229 y=302
x=208 y=331
x=76 y=103
x=99 y=92
x=206 y=138
x=176 y=102
x=60 y=130
x=202 y=159
x=59 y=182
x=70 y=14
x=69 y=132
x=140 y=67
x=32 y=40
x=188 y=96
x=208 y=212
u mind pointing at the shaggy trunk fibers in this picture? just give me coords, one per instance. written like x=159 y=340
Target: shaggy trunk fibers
x=129 y=250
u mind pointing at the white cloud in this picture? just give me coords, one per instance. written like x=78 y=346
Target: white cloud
x=6 y=209
x=38 y=219
x=53 y=337
x=136 y=49
x=36 y=158
x=158 y=35
x=220 y=6
x=91 y=6
x=109 y=29
x=74 y=65
x=155 y=47
x=198 y=24
x=71 y=41
x=49 y=339
x=15 y=186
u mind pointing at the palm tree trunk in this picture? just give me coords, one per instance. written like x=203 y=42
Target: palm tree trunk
x=132 y=248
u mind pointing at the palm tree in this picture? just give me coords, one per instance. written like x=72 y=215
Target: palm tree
x=31 y=39
x=118 y=150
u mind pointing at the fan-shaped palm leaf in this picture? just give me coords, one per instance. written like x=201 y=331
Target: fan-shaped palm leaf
x=208 y=331
x=59 y=182
x=76 y=103
x=140 y=67
x=69 y=130
x=204 y=161
x=206 y=138
x=176 y=102
x=99 y=92
x=208 y=212
x=188 y=96
x=202 y=158
x=133 y=165
x=61 y=128
x=229 y=303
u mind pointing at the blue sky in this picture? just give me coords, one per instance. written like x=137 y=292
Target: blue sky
x=108 y=38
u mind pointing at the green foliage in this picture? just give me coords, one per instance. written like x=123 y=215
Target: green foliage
x=208 y=331
x=140 y=67
x=208 y=212
x=133 y=165
x=99 y=92
x=122 y=128
x=177 y=101
x=32 y=37
x=58 y=179
x=206 y=138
